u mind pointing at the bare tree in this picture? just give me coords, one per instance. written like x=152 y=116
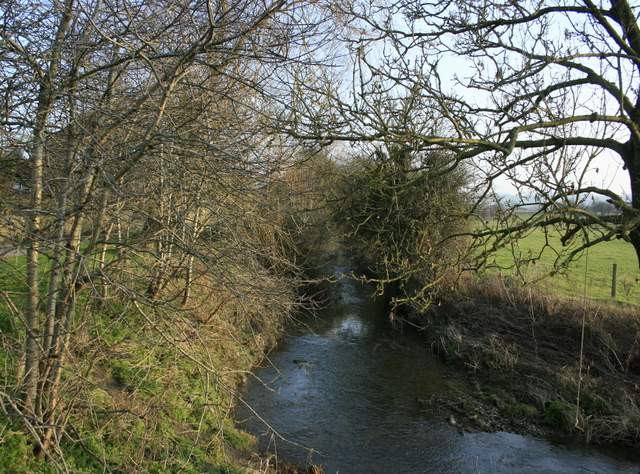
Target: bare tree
x=396 y=211
x=138 y=133
x=541 y=94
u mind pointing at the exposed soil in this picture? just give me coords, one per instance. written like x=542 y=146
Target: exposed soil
x=270 y=464
x=279 y=466
x=524 y=361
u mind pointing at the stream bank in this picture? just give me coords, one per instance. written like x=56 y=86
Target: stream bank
x=525 y=360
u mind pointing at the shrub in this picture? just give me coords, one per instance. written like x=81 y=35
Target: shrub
x=519 y=412
x=558 y=414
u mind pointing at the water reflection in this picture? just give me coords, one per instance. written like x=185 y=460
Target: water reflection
x=343 y=390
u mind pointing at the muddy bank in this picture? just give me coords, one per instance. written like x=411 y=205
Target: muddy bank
x=526 y=361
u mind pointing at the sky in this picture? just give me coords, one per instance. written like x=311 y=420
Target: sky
x=609 y=175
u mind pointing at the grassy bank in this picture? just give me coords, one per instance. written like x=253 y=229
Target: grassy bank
x=147 y=389
x=529 y=359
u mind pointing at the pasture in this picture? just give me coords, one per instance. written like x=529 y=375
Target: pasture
x=532 y=258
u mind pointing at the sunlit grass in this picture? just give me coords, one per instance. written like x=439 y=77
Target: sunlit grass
x=589 y=275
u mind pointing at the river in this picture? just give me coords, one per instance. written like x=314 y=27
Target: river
x=345 y=391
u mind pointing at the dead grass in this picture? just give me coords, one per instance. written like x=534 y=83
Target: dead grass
x=577 y=361
x=273 y=465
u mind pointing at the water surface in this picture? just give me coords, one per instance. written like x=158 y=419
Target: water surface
x=343 y=390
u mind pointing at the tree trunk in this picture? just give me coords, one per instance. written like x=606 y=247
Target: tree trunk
x=101 y=264
x=633 y=167
x=32 y=318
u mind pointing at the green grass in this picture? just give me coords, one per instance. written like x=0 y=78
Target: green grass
x=590 y=274
x=146 y=403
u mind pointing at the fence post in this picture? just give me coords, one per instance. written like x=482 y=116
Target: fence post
x=614 y=277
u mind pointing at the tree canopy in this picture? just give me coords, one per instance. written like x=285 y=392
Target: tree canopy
x=536 y=93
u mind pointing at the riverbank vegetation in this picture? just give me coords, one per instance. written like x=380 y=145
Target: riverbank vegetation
x=532 y=360
x=147 y=262
x=147 y=382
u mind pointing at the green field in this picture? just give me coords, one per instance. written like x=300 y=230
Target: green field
x=590 y=274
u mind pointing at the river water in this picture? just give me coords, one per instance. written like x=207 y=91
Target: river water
x=346 y=392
